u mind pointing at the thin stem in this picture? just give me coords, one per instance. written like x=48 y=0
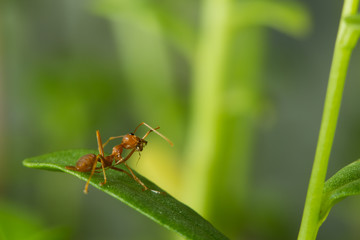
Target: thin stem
x=310 y=221
x=206 y=99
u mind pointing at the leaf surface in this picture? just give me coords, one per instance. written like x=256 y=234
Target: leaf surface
x=162 y=208
x=344 y=183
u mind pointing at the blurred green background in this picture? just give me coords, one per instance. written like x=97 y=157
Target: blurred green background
x=238 y=86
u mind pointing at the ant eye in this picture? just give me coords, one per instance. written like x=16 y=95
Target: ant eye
x=131 y=134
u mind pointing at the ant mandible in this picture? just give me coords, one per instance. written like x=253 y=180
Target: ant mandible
x=88 y=162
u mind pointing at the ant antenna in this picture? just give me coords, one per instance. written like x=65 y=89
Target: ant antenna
x=152 y=129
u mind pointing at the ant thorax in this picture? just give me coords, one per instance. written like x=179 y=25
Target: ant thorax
x=117 y=151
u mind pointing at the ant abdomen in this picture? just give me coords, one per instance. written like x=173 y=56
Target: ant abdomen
x=84 y=164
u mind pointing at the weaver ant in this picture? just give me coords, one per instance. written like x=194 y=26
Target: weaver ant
x=88 y=162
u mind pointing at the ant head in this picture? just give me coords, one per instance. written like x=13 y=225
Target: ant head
x=130 y=141
x=141 y=144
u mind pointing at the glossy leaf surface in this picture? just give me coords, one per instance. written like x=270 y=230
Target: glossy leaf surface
x=162 y=208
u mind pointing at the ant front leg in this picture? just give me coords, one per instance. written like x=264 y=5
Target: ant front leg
x=153 y=130
x=121 y=170
x=123 y=160
x=148 y=132
x=119 y=148
x=141 y=183
x=136 y=178
x=111 y=138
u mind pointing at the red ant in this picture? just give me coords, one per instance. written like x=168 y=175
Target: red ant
x=88 y=162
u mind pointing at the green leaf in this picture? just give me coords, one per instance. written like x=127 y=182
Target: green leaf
x=162 y=208
x=290 y=17
x=151 y=15
x=344 y=183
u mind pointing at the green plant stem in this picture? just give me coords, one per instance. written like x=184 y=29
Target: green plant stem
x=310 y=222
x=207 y=97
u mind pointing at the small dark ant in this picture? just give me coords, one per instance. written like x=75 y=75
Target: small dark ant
x=88 y=162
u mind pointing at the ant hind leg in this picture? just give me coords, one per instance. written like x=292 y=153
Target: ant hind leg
x=88 y=181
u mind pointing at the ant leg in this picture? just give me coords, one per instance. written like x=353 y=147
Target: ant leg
x=148 y=132
x=140 y=182
x=154 y=130
x=101 y=155
x=111 y=138
x=92 y=173
x=136 y=178
x=88 y=181
x=121 y=170
x=123 y=160
x=138 y=127
x=100 y=146
x=103 y=168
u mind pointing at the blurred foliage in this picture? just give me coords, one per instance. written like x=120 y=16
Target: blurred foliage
x=18 y=223
x=71 y=67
